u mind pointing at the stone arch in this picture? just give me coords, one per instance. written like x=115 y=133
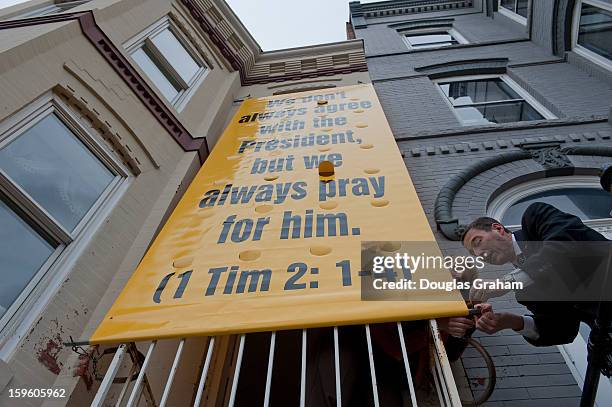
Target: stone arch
x=543 y=161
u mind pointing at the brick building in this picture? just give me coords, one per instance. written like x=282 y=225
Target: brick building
x=493 y=104
x=434 y=65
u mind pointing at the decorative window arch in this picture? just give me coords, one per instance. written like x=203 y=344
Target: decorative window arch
x=550 y=155
x=584 y=189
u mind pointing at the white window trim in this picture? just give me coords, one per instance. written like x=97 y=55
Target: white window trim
x=498 y=206
x=26 y=309
x=547 y=114
x=180 y=100
x=579 y=49
x=511 y=14
x=423 y=31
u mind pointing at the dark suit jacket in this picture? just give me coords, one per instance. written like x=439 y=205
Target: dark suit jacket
x=549 y=237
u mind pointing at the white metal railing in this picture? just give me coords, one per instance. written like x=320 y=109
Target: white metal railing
x=303 y=370
x=372 y=366
x=204 y=374
x=440 y=371
x=173 y=369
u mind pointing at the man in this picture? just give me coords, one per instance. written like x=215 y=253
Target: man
x=545 y=255
x=458 y=327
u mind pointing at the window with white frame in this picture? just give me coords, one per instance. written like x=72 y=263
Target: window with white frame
x=432 y=38
x=54 y=179
x=490 y=100
x=592 y=31
x=169 y=61
x=579 y=195
x=515 y=9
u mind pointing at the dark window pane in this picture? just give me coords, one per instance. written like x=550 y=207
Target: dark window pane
x=498 y=113
x=56 y=169
x=586 y=203
x=508 y=4
x=595 y=32
x=157 y=76
x=522 y=7
x=22 y=253
x=485 y=90
x=174 y=52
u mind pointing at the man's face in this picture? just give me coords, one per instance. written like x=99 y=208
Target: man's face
x=494 y=246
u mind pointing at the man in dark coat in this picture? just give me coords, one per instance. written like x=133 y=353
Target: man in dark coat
x=553 y=262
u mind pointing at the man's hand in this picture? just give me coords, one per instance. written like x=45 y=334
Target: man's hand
x=456 y=326
x=484 y=294
x=492 y=322
x=468 y=275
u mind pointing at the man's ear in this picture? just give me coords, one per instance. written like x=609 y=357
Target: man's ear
x=499 y=228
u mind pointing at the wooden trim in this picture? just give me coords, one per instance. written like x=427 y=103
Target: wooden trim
x=127 y=72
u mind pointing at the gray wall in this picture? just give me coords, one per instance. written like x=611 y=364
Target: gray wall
x=436 y=146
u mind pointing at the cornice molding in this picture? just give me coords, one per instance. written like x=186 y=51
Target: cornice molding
x=257 y=67
x=359 y=13
x=311 y=51
x=502 y=144
x=397 y=4
x=199 y=15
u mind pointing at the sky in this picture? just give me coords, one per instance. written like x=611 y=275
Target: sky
x=6 y=3
x=278 y=24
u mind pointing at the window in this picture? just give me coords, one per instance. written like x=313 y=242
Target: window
x=592 y=31
x=515 y=9
x=586 y=203
x=23 y=251
x=487 y=100
x=53 y=179
x=432 y=38
x=579 y=195
x=169 y=62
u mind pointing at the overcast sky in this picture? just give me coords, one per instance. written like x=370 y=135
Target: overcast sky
x=278 y=24
x=6 y=3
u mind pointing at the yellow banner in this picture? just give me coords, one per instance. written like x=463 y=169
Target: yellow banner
x=268 y=238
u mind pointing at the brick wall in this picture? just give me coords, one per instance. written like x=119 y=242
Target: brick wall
x=436 y=147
